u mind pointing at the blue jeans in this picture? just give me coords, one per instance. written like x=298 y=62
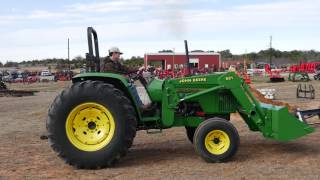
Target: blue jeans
x=135 y=94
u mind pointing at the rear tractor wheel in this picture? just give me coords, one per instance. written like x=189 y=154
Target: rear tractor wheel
x=91 y=125
x=216 y=140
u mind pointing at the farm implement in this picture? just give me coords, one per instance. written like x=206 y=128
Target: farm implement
x=299 y=77
x=93 y=123
x=317 y=73
x=4 y=91
x=305 y=91
x=274 y=76
x=299 y=73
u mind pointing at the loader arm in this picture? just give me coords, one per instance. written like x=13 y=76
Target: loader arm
x=273 y=122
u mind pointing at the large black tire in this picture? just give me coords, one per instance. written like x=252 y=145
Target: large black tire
x=216 y=149
x=103 y=94
x=190 y=133
x=191 y=130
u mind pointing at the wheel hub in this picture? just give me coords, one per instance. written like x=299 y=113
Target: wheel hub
x=217 y=142
x=90 y=126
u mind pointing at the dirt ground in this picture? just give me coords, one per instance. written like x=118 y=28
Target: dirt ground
x=168 y=155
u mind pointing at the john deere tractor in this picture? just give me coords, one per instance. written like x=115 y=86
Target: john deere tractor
x=93 y=123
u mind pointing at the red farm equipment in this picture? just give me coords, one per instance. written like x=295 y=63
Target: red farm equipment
x=300 y=72
x=64 y=75
x=274 y=76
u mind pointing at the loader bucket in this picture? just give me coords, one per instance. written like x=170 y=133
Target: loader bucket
x=283 y=125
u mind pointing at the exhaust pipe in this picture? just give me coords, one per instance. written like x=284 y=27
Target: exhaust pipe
x=187 y=57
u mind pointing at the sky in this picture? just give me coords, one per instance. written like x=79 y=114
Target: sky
x=39 y=29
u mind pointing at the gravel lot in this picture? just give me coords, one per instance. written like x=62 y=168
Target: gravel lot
x=168 y=155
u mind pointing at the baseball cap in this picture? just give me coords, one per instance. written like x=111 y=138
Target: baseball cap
x=115 y=49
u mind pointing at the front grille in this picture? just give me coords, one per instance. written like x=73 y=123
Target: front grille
x=227 y=103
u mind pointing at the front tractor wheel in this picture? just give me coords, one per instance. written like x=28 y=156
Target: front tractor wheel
x=91 y=125
x=216 y=140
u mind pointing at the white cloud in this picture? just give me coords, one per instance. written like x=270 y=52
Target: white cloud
x=268 y=15
x=102 y=7
x=124 y=5
x=163 y=25
x=41 y=14
x=8 y=19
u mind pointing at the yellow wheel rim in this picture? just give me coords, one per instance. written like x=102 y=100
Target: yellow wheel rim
x=90 y=126
x=217 y=142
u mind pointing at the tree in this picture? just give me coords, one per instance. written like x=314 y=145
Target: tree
x=226 y=54
x=1 y=65
x=295 y=55
x=11 y=64
x=252 y=56
x=166 y=51
x=78 y=62
x=134 y=61
x=195 y=51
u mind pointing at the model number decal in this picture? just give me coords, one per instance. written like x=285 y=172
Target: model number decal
x=229 y=78
x=190 y=80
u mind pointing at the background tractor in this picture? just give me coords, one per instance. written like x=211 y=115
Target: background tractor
x=93 y=123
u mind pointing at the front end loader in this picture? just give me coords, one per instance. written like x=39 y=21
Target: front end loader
x=93 y=123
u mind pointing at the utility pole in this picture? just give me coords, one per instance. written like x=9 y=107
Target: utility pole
x=69 y=55
x=270 y=51
x=245 y=62
x=173 y=50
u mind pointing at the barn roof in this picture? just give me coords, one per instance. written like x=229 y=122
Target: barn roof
x=178 y=53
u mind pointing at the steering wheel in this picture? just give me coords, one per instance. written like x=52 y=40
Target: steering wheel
x=133 y=76
x=137 y=76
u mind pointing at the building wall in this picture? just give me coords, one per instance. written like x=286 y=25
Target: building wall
x=213 y=60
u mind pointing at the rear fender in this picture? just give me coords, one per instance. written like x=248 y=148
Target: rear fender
x=118 y=81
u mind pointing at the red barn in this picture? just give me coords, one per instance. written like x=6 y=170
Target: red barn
x=174 y=61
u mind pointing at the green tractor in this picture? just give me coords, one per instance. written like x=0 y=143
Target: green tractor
x=93 y=123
